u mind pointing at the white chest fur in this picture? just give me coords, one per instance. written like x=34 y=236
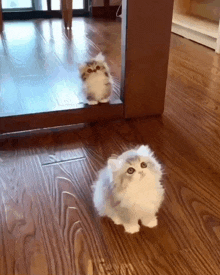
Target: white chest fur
x=96 y=84
x=143 y=196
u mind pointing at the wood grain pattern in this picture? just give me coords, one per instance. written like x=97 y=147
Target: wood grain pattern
x=39 y=78
x=48 y=224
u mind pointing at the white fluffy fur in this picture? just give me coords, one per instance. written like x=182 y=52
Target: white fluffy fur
x=95 y=83
x=137 y=196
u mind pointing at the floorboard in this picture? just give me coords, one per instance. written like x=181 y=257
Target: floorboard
x=48 y=224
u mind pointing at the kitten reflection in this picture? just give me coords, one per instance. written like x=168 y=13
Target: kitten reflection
x=97 y=80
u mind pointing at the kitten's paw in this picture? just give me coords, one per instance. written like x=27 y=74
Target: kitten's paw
x=92 y=102
x=131 y=228
x=104 y=100
x=152 y=223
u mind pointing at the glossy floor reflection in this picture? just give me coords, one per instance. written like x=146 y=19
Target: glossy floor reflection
x=39 y=62
x=48 y=223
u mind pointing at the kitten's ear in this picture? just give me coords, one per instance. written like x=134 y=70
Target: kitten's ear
x=81 y=68
x=114 y=163
x=144 y=150
x=100 y=57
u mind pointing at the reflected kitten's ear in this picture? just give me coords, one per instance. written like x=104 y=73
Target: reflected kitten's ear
x=81 y=68
x=144 y=150
x=100 y=57
x=114 y=163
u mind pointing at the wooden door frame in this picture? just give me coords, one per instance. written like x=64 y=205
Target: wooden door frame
x=146 y=31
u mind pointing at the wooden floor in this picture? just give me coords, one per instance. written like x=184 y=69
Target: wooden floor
x=48 y=224
x=39 y=63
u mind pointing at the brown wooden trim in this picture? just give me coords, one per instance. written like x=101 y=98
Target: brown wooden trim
x=106 y=6
x=146 y=34
x=1 y=17
x=49 y=5
x=106 y=3
x=60 y=118
x=105 y=12
x=67 y=14
x=26 y=15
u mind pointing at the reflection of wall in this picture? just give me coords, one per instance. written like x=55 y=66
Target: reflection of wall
x=16 y=4
x=23 y=4
x=100 y=3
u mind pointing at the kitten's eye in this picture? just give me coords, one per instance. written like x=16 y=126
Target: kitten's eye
x=89 y=71
x=97 y=68
x=143 y=165
x=130 y=170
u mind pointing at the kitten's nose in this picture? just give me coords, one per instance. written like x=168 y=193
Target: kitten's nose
x=141 y=172
x=94 y=71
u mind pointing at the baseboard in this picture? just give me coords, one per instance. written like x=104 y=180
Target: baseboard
x=105 y=12
x=25 y=15
x=193 y=35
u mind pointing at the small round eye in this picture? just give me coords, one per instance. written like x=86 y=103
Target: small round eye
x=130 y=170
x=97 y=67
x=143 y=165
x=89 y=71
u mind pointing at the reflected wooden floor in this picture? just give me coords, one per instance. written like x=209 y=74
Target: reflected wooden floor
x=48 y=224
x=39 y=63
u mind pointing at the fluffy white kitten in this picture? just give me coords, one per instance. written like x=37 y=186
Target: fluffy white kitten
x=97 y=80
x=129 y=189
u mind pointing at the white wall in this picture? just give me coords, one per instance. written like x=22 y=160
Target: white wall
x=100 y=3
